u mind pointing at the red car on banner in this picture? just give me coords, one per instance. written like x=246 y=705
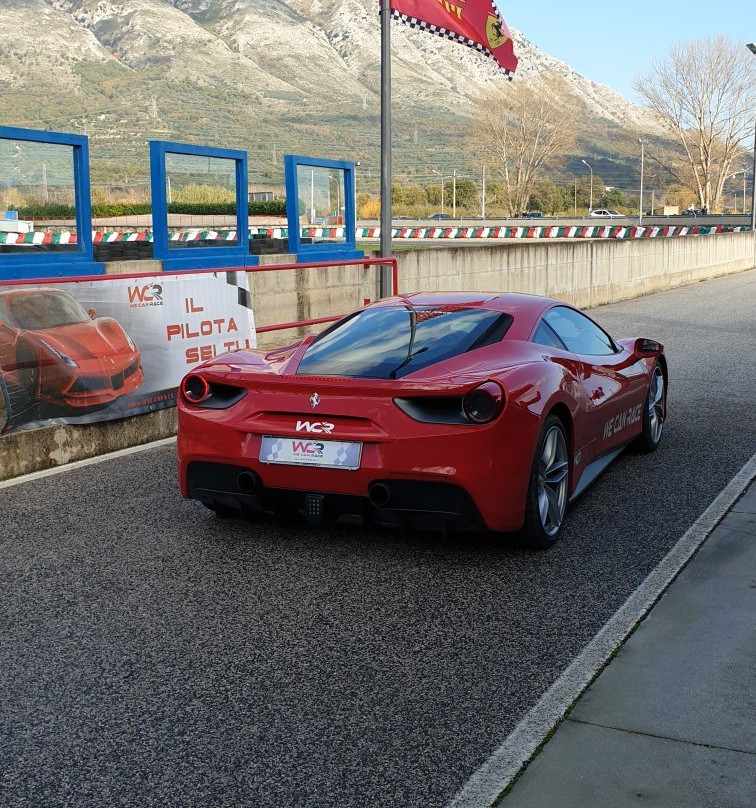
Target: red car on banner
x=51 y=350
x=464 y=409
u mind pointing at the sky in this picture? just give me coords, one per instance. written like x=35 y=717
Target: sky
x=612 y=42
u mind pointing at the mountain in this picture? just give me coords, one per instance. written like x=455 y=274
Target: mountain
x=271 y=77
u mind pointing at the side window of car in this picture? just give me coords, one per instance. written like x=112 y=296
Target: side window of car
x=578 y=333
x=544 y=335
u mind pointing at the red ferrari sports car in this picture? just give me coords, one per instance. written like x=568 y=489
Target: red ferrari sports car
x=56 y=352
x=468 y=409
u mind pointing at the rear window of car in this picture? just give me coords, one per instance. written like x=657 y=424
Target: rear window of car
x=389 y=342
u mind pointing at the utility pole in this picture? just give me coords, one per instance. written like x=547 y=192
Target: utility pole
x=640 y=201
x=590 y=204
x=356 y=166
x=454 y=193
x=385 y=145
x=752 y=47
x=312 y=196
x=753 y=187
x=575 y=196
x=483 y=196
x=45 y=191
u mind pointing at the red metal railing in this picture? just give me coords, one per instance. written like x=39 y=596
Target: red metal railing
x=364 y=262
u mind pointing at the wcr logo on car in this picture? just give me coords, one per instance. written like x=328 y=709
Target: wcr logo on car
x=315 y=426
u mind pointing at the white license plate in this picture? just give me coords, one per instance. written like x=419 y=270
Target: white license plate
x=335 y=454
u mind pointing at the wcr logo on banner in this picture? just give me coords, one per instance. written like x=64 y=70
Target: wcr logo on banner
x=149 y=295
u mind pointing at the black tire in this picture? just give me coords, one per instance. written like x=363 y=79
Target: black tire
x=27 y=370
x=548 y=490
x=654 y=412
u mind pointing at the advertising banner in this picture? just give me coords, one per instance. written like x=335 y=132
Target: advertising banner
x=97 y=350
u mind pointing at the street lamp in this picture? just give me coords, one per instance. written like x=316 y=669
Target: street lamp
x=642 y=142
x=357 y=164
x=590 y=204
x=442 y=187
x=752 y=48
x=312 y=196
x=732 y=177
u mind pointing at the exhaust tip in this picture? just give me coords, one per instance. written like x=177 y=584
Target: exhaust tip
x=379 y=495
x=248 y=482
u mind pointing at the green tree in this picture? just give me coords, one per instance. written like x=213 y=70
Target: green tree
x=546 y=197
x=433 y=195
x=584 y=192
x=468 y=196
x=613 y=199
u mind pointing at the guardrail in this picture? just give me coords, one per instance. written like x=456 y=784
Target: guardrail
x=364 y=262
x=498 y=232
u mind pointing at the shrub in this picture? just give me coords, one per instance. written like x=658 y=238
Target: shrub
x=275 y=207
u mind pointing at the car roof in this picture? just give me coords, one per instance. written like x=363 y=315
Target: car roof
x=32 y=291
x=525 y=309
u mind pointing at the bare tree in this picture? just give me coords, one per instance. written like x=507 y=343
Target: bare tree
x=518 y=128
x=704 y=91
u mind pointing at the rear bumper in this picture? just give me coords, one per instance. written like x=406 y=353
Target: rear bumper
x=412 y=503
x=472 y=475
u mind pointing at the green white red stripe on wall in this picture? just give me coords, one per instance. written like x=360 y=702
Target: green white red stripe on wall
x=41 y=238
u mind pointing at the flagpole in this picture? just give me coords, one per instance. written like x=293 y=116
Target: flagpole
x=385 y=288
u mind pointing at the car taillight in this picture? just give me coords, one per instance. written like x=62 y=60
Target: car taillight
x=482 y=404
x=195 y=389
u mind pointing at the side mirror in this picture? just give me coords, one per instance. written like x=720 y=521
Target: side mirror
x=646 y=347
x=92 y=313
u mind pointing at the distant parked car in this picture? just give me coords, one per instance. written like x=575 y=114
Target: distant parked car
x=440 y=216
x=691 y=211
x=603 y=213
x=531 y=214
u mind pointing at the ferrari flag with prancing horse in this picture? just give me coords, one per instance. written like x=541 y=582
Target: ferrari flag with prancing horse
x=475 y=23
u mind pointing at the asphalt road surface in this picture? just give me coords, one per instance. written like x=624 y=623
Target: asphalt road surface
x=153 y=655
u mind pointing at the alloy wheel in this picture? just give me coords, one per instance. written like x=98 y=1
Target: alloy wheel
x=656 y=405
x=553 y=477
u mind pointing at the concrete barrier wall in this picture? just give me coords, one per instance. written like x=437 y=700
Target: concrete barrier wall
x=307 y=294
x=584 y=274
x=50 y=446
